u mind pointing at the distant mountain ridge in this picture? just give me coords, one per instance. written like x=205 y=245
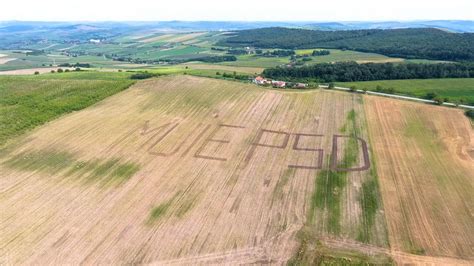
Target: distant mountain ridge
x=449 y=25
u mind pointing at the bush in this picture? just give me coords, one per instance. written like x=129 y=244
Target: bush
x=331 y=85
x=67 y=70
x=320 y=53
x=383 y=90
x=438 y=100
x=470 y=114
x=60 y=70
x=143 y=75
x=431 y=95
x=36 y=72
x=77 y=69
x=52 y=71
x=353 y=88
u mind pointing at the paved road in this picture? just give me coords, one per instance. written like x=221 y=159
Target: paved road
x=401 y=97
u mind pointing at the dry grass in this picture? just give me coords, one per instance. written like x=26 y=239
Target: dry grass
x=156 y=38
x=426 y=169
x=188 y=186
x=196 y=196
x=31 y=71
x=248 y=70
x=5 y=59
x=173 y=37
x=185 y=37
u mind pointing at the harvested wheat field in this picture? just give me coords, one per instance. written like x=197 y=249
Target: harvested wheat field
x=31 y=71
x=425 y=161
x=186 y=170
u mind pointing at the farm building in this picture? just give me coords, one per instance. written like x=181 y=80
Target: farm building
x=300 y=85
x=278 y=84
x=260 y=80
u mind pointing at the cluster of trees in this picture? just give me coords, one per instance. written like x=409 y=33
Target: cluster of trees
x=237 y=51
x=406 y=43
x=60 y=70
x=218 y=49
x=215 y=58
x=233 y=75
x=321 y=52
x=352 y=71
x=143 y=75
x=35 y=52
x=83 y=65
x=203 y=58
x=278 y=53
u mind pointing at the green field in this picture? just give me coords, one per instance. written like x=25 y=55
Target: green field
x=24 y=61
x=257 y=61
x=346 y=55
x=30 y=101
x=453 y=89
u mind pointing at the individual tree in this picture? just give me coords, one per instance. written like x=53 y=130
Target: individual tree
x=431 y=95
x=438 y=100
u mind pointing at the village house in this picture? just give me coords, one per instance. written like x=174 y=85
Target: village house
x=260 y=80
x=96 y=41
x=278 y=84
x=300 y=85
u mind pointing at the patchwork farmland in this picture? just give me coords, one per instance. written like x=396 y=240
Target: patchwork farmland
x=189 y=170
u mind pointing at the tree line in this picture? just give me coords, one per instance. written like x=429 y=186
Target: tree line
x=352 y=71
x=406 y=43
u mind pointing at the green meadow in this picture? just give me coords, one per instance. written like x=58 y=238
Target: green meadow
x=29 y=101
x=461 y=89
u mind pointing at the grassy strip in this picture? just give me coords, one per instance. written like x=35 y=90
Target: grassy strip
x=96 y=171
x=312 y=252
x=284 y=178
x=27 y=102
x=327 y=197
x=160 y=210
x=330 y=184
x=455 y=89
x=370 y=203
x=181 y=207
x=50 y=161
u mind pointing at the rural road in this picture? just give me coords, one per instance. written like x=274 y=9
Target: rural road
x=400 y=97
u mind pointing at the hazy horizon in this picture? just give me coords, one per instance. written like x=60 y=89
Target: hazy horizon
x=242 y=11
x=234 y=21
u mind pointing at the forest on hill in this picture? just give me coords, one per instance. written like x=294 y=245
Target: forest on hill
x=352 y=71
x=427 y=43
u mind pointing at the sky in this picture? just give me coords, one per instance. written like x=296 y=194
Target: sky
x=242 y=10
